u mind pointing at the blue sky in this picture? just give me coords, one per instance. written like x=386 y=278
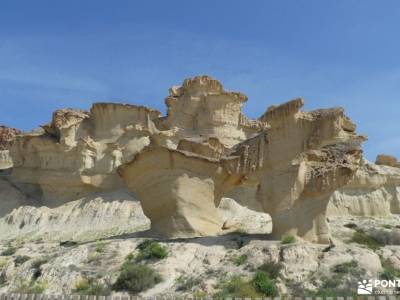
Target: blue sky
x=56 y=54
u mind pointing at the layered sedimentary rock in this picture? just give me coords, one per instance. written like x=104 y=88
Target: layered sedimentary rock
x=78 y=152
x=387 y=160
x=182 y=164
x=7 y=136
x=300 y=161
x=202 y=108
x=373 y=191
x=180 y=190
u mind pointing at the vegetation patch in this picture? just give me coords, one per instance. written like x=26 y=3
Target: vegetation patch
x=240 y=260
x=264 y=284
x=273 y=269
x=29 y=287
x=389 y=271
x=151 y=250
x=362 y=238
x=9 y=251
x=288 y=239
x=86 y=286
x=20 y=259
x=261 y=285
x=236 y=287
x=346 y=268
x=187 y=283
x=136 y=278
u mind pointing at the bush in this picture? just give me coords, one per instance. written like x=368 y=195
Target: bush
x=151 y=250
x=3 y=279
x=264 y=285
x=345 y=268
x=236 y=287
x=389 y=271
x=100 y=247
x=240 y=260
x=272 y=269
x=29 y=287
x=288 y=239
x=136 y=278
x=20 y=259
x=360 y=237
x=91 y=287
x=9 y=251
x=188 y=283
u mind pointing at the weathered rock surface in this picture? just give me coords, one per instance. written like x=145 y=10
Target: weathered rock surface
x=78 y=152
x=387 y=160
x=207 y=262
x=374 y=191
x=179 y=190
x=181 y=165
x=300 y=161
x=7 y=136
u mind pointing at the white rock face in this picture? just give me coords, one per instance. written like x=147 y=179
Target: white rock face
x=241 y=218
x=97 y=216
x=374 y=191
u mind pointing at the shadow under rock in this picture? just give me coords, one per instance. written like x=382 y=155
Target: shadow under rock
x=228 y=240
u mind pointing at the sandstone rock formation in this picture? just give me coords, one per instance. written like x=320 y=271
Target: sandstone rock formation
x=180 y=190
x=78 y=152
x=7 y=136
x=387 y=160
x=300 y=160
x=182 y=164
x=373 y=191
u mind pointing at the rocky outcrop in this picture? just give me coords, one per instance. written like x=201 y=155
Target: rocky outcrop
x=7 y=136
x=299 y=161
x=182 y=164
x=373 y=191
x=202 y=108
x=180 y=190
x=78 y=152
x=387 y=160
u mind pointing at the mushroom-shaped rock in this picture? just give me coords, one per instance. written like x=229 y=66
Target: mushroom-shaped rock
x=300 y=160
x=179 y=190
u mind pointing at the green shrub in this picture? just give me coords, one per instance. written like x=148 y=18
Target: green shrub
x=29 y=287
x=20 y=259
x=86 y=286
x=345 y=268
x=100 y=247
x=288 y=239
x=9 y=251
x=187 y=283
x=389 y=271
x=136 y=278
x=151 y=250
x=240 y=260
x=360 y=237
x=236 y=287
x=272 y=269
x=264 y=285
x=3 y=279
